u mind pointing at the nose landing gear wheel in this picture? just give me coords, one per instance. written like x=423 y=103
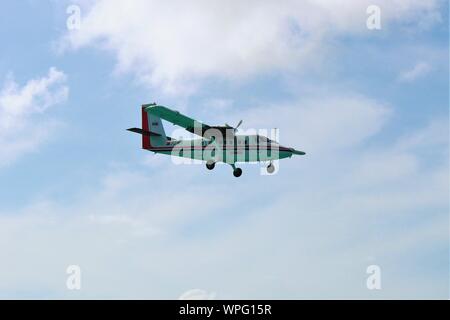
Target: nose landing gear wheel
x=270 y=168
x=210 y=165
x=237 y=172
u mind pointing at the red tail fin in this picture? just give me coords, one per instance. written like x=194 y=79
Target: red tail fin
x=145 y=138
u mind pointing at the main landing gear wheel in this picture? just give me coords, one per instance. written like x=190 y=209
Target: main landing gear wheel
x=270 y=168
x=210 y=165
x=237 y=172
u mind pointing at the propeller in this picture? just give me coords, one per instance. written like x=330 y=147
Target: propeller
x=234 y=128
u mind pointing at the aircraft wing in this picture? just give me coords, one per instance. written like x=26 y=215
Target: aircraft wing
x=178 y=119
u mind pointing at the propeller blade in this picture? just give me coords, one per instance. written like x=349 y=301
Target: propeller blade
x=234 y=128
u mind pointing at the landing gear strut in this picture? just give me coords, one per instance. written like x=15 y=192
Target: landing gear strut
x=210 y=165
x=237 y=172
x=270 y=168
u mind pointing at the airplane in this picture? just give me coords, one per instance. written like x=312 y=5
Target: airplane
x=216 y=143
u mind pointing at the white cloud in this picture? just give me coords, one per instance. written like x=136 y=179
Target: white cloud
x=436 y=133
x=197 y=294
x=218 y=104
x=175 y=45
x=418 y=71
x=21 y=126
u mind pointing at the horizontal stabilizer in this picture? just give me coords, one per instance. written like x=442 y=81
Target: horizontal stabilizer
x=144 y=132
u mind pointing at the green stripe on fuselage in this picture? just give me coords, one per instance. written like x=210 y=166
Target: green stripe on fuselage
x=228 y=155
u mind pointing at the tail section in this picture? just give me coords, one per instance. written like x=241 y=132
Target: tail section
x=153 y=134
x=154 y=125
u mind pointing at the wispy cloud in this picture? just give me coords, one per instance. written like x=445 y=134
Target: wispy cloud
x=22 y=128
x=321 y=124
x=419 y=70
x=197 y=294
x=334 y=213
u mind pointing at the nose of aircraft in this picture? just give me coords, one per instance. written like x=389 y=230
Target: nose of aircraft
x=301 y=153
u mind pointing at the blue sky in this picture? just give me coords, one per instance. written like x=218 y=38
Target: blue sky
x=370 y=108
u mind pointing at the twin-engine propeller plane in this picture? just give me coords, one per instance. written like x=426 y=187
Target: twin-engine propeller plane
x=216 y=143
